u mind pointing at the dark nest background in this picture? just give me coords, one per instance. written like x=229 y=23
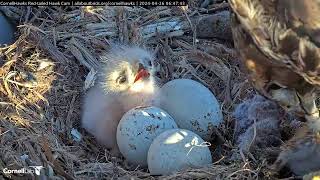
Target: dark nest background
x=45 y=73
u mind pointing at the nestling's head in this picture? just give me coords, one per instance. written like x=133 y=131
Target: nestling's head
x=128 y=70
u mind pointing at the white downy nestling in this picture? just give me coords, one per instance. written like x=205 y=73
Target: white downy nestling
x=126 y=80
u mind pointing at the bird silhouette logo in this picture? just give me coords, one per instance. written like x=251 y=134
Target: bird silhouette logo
x=37 y=169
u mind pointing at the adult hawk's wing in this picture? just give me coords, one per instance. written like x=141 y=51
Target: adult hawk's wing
x=279 y=42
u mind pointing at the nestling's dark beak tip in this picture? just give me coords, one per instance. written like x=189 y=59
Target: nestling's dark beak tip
x=141 y=67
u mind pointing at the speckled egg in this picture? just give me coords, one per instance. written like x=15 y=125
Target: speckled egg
x=192 y=105
x=138 y=128
x=177 y=149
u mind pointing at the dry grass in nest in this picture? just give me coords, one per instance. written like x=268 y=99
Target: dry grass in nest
x=44 y=78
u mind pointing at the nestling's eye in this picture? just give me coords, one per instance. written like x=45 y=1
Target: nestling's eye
x=121 y=79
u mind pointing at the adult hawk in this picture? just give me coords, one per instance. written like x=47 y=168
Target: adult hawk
x=279 y=42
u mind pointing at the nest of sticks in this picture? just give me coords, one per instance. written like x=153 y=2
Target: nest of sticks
x=45 y=73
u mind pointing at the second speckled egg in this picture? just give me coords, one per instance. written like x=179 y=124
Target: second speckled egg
x=192 y=105
x=138 y=128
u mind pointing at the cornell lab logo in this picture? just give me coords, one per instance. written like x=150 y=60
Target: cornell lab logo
x=31 y=170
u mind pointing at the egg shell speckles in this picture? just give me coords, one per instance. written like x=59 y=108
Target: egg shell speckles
x=175 y=150
x=192 y=105
x=138 y=128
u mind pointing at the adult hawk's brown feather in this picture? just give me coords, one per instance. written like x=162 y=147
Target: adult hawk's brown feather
x=279 y=43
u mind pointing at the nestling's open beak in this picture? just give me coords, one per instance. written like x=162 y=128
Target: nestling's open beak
x=142 y=73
